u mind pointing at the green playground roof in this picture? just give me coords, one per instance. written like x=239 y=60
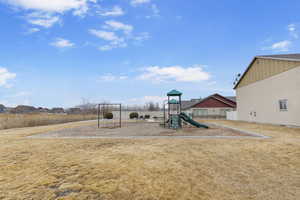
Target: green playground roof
x=173 y=101
x=174 y=93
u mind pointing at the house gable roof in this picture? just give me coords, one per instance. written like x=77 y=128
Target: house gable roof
x=224 y=99
x=217 y=97
x=232 y=98
x=286 y=57
x=188 y=104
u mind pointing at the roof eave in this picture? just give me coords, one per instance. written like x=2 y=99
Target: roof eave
x=263 y=57
x=245 y=72
x=273 y=58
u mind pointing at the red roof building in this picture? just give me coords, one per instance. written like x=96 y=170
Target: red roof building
x=214 y=106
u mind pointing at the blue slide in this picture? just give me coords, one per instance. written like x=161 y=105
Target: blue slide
x=189 y=120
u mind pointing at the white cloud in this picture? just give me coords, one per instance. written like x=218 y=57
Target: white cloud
x=45 y=20
x=116 y=26
x=114 y=12
x=284 y=45
x=5 y=76
x=139 y=2
x=107 y=47
x=81 y=11
x=62 y=43
x=114 y=40
x=110 y=77
x=112 y=45
x=46 y=13
x=58 y=6
x=105 y=35
x=281 y=46
x=175 y=73
x=292 y=28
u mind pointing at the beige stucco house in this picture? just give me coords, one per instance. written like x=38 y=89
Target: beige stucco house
x=269 y=90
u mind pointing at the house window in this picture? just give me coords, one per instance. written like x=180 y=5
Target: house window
x=283 y=105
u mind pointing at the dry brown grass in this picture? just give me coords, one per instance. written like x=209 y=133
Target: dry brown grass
x=150 y=168
x=29 y=120
x=279 y=132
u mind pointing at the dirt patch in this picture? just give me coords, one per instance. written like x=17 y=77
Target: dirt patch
x=139 y=129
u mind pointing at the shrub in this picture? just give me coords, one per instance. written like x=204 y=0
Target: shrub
x=147 y=116
x=108 y=115
x=134 y=115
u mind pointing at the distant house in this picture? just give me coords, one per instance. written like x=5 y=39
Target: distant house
x=57 y=110
x=74 y=111
x=269 y=90
x=214 y=106
x=2 y=108
x=43 y=110
x=22 y=109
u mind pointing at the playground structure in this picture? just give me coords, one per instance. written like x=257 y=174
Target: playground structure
x=107 y=117
x=110 y=114
x=175 y=116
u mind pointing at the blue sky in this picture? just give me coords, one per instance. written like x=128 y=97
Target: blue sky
x=57 y=52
